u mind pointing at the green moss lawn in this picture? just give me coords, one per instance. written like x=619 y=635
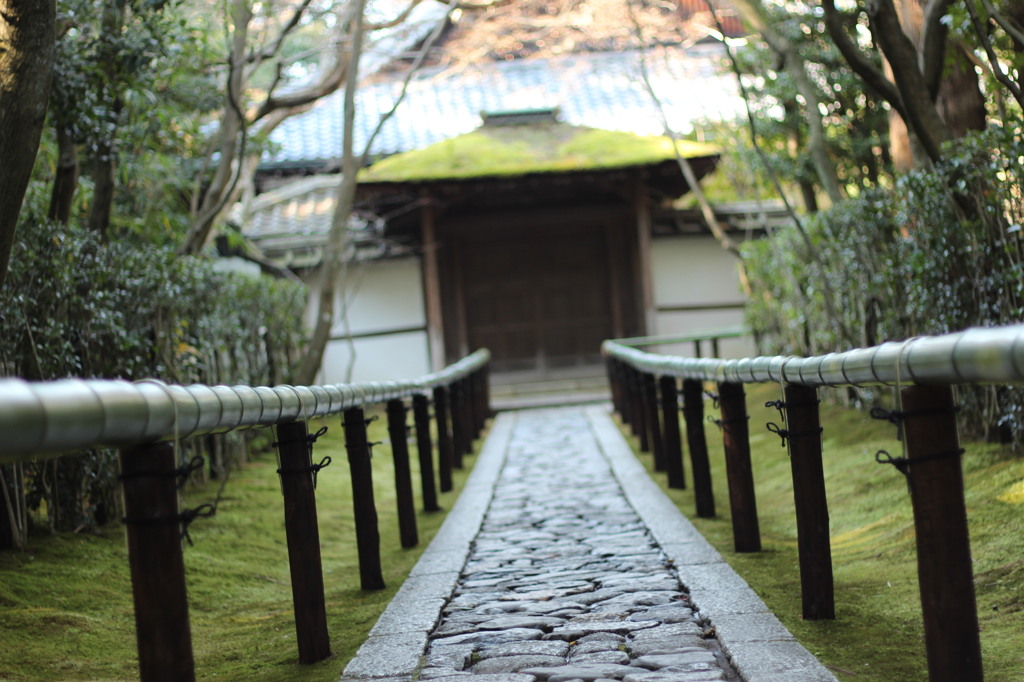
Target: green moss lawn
x=878 y=633
x=66 y=609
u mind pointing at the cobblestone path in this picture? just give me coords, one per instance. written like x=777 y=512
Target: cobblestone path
x=564 y=582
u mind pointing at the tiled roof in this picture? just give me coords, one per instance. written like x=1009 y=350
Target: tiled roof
x=599 y=90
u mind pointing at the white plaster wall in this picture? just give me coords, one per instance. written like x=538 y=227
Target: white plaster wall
x=693 y=271
x=696 y=271
x=378 y=358
x=381 y=295
x=376 y=297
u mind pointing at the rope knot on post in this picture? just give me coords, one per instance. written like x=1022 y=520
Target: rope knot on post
x=308 y=439
x=786 y=434
x=902 y=464
x=182 y=473
x=187 y=516
x=723 y=423
x=311 y=469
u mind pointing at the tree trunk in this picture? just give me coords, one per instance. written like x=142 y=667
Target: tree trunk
x=753 y=13
x=104 y=162
x=334 y=252
x=65 y=180
x=26 y=61
x=103 y=188
x=960 y=102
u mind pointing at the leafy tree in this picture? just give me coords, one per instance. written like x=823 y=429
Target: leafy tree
x=26 y=55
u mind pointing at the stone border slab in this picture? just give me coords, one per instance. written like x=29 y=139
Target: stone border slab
x=399 y=639
x=760 y=648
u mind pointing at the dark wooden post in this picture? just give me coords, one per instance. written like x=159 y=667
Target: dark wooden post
x=671 y=443
x=641 y=422
x=303 y=534
x=469 y=428
x=367 y=534
x=650 y=388
x=613 y=384
x=803 y=431
x=445 y=447
x=425 y=450
x=935 y=477
x=399 y=435
x=457 y=410
x=693 y=415
x=479 y=402
x=457 y=414
x=485 y=386
x=739 y=472
x=153 y=529
x=621 y=373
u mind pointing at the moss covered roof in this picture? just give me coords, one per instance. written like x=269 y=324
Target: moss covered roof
x=513 y=150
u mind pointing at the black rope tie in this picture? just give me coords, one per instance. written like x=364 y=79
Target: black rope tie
x=785 y=434
x=185 y=518
x=723 y=423
x=311 y=469
x=903 y=464
x=782 y=404
x=182 y=473
x=714 y=398
x=897 y=416
x=308 y=439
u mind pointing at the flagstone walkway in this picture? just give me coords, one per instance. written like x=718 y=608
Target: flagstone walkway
x=563 y=561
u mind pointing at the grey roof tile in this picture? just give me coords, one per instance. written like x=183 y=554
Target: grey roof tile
x=600 y=90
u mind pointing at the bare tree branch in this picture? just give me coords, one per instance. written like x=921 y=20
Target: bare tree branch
x=706 y=209
x=921 y=115
x=753 y=13
x=1008 y=25
x=334 y=264
x=933 y=44
x=858 y=61
x=985 y=37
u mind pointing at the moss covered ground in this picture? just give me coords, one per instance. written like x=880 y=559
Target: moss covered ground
x=66 y=609
x=878 y=631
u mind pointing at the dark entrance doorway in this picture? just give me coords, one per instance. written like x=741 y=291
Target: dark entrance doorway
x=543 y=292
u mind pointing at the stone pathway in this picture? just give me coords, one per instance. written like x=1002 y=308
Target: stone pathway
x=565 y=581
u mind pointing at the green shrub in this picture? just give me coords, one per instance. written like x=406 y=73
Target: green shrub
x=76 y=306
x=941 y=251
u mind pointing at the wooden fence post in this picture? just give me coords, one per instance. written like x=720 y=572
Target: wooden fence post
x=485 y=391
x=445 y=447
x=457 y=417
x=303 y=535
x=650 y=389
x=620 y=372
x=611 y=370
x=935 y=476
x=736 y=439
x=671 y=442
x=803 y=431
x=636 y=414
x=479 y=402
x=367 y=533
x=693 y=415
x=465 y=389
x=425 y=450
x=399 y=435
x=153 y=529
